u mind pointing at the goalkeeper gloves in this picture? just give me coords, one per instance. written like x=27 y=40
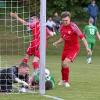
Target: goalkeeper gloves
x=22 y=82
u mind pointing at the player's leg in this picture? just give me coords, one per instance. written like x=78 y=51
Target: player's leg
x=67 y=57
x=26 y=58
x=89 y=56
x=64 y=68
x=35 y=66
x=65 y=72
x=35 y=63
x=29 y=52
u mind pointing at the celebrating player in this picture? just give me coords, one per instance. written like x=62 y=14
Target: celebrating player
x=91 y=32
x=69 y=35
x=34 y=46
x=12 y=75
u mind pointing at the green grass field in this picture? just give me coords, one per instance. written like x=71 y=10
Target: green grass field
x=85 y=80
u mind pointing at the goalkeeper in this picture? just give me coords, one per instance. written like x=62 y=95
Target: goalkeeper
x=12 y=75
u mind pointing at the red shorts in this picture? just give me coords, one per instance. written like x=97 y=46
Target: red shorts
x=33 y=50
x=70 y=54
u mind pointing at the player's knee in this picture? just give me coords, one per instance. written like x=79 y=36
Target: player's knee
x=36 y=59
x=65 y=63
x=27 y=56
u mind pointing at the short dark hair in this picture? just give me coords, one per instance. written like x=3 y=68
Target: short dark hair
x=65 y=14
x=22 y=64
x=48 y=85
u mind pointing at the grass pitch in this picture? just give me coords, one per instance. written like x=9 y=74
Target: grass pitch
x=84 y=79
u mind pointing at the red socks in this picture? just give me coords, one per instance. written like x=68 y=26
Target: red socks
x=65 y=74
x=25 y=60
x=35 y=65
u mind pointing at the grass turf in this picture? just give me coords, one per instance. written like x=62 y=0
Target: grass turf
x=84 y=79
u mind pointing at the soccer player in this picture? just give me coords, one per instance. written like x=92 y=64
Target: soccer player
x=14 y=74
x=69 y=35
x=49 y=80
x=34 y=46
x=91 y=32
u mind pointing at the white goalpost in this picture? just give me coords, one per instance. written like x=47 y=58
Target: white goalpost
x=42 y=45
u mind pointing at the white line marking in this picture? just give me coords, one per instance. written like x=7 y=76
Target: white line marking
x=47 y=96
x=53 y=97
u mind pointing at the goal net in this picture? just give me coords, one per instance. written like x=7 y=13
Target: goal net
x=15 y=35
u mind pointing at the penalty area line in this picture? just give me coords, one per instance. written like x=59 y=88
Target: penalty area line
x=53 y=97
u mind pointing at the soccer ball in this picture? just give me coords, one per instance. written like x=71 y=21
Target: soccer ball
x=47 y=72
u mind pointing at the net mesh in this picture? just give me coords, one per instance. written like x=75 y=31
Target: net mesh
x=14 y=36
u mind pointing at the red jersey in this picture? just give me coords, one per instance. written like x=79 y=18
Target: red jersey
x=70 y=34
x=36 y=34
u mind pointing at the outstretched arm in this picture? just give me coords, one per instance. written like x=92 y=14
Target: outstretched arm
x=86 y=46
x=21 y=81
x=49 y=33
x=58 y=42
x=14 y=15
x=98 y=35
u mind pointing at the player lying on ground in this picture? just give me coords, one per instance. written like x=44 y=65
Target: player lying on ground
x=91 y=32
x=49 y=80
x=12 y=75
x=34 y=82
x=34 y=46
x=69 y=35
